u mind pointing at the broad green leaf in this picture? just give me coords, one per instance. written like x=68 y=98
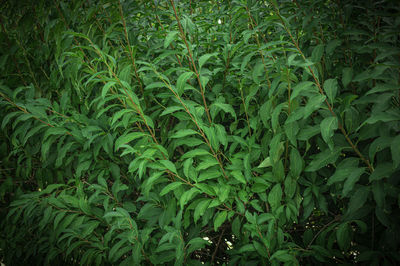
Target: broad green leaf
x=157 y=84
x=224 y=107
x=308 y=132
x=347 y=75
x=379 y=194
x=209 y=162
x=395 y=149
x=170 y=187
x=188 y=195
x=296 y=162
x=330 y=88
x=383 y=117
x=317 y=53
x=180 y=84
x=342 y=236
x=106 y=87
x=383 y=88
x=258 y=71
x=171 y=109
x=120 y=114
x=291 y=130
x=169 y=165
x=351 y=180
x=246 y=60
x=284 y=256
x=265 y=112
x=209 y=174
x=62 y=153
x=128 y=138
x=200 y=209
x=358 y=199
x=221 y=134
x=203 y=59
x=7 y=118
x=276 y=148
x=343 y=170
x=195 y=153
x=169 y=38
x=238 y=175
x=304 y=86
x=220 y=219
x=381 y=171
x=332 y=45
x=328 y=127
x=323 y=159
x=183 y=133
x=265 y=163
x=247 y=248
x=275 y=196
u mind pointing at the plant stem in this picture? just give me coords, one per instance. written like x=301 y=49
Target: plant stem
x=192 y=61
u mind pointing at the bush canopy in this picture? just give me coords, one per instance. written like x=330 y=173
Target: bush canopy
x=200 y=132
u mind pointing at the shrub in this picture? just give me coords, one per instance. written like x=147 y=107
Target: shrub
x=200 y=132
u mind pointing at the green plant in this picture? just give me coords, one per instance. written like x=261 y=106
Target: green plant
x=190 y=132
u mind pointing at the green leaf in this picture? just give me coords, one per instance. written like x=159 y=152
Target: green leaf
x=342 y=236
x=209 y=174
x=203 y=59
x=258 y=71
x=296 y=163
x=169 y=165
x=275 y=196
x=395 y=149
x=265 y=163
x=304 y=86
x=291 y=130
x=220 y=219
x=207 y=164
x=224 y=107
x=328 y=127
x=180 y=84
x=106 y=87
x=195 y=153
x=169 y=38
x=284 y=256
x=7 y=118
x=382 y=88
x=379 y=193
x=351 y=180
x=323 y=159
x=157 y=84
x=247 y=248
x=317 y=53
x=384 y=117
x=188 y=195
x=343 y=170
x=330 y=88
x=183 y=133
x=128 y=138
x=200 y=209
x=276 y=148
x=313 y=104
x=358 y=199
x=238 y=175
x=332 y=45
x=171 y=109
x=347 y=75
x=170 y=187
x=381 y=171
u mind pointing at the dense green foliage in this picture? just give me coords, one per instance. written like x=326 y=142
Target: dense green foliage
x=181 y=132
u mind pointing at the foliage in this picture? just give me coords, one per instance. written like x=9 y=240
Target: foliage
x=181 y=132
